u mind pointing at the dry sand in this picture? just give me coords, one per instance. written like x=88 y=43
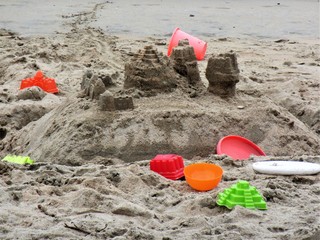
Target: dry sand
x=92 y=180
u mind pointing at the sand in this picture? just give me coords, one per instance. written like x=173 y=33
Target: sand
x=91 y=179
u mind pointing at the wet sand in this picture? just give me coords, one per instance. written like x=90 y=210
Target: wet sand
x=205 y=18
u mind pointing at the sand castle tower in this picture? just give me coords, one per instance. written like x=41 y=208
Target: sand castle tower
x=150 y=70
x=109 y=102
x=95 y=87
x=185 y=62
x=92 y=85
x=223 y=74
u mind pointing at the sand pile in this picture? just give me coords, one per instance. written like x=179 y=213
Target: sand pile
x=185 y=121
x=92 y=176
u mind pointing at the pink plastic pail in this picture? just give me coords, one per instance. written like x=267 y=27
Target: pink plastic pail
x=198 y=45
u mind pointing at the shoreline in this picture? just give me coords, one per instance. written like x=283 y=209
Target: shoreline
x=219 y=19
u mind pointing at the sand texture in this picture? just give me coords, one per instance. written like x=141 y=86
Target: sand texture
x=121 y=102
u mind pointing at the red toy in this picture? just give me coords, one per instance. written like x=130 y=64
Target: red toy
x=170 y=166
x=39 y=80
x=238 y=147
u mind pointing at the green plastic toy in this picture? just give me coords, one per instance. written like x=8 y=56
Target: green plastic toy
x=241 y=194
x=18 y=159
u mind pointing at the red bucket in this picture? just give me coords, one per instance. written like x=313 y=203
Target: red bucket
x=198 y=45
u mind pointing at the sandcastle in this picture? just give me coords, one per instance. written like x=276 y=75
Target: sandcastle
x=95 y=87
x=223 y=74
x=107 y=102
x=185 y=62
x=92 y=85
x=150 y=71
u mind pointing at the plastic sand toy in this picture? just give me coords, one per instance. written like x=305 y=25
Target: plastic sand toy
x=203 y=176
x=198 y=45
x=238 y=147
x=286 y=167
x=18 y=159
x=241 y=194
x=39 y=80
x=168 y=165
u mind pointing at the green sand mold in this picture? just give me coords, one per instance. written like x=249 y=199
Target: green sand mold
x=241 y=194
x=18 y=159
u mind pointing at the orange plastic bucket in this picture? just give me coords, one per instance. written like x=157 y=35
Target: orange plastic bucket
x=203 y=176
x=198 y=45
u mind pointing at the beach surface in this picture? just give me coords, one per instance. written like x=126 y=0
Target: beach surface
x=91 y=178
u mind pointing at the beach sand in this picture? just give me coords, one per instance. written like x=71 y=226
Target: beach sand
x=92 y=179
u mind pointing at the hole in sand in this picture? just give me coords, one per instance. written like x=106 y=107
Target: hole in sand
x=3 y=133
